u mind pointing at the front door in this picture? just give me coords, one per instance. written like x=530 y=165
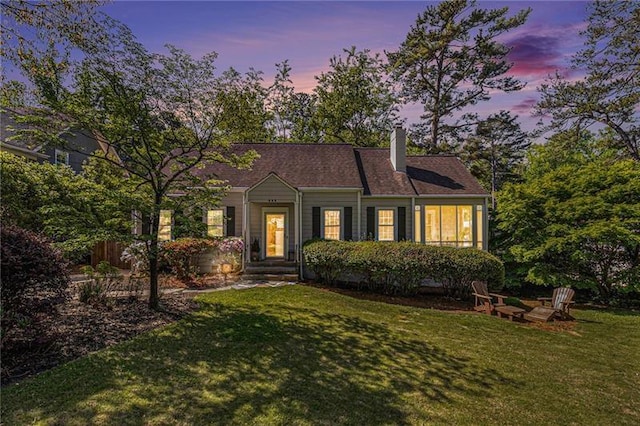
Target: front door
x=275 y=234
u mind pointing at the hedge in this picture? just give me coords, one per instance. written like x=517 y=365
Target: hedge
x=400 y=267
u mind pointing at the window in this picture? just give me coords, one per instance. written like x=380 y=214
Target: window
x=61 y=157
x=452 y=225
x=331 y=221
x=164 y=228
x=417 y=229
x=215 y=223
x=386 y=225
x=479 y=229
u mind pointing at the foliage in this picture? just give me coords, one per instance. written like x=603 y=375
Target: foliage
x=34 y=276
x=575 y=219
x=496 y=150
x=101 y=281
x=179 y=255
x=452 y=58
x=400 y=267
x=356 y=103
x=73 y=210
x=608 y=94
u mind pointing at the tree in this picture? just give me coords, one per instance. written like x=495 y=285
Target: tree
x=281 y=101
x=496 y=149
x=575 y=219
x=356 y=103
x=452 y=59
x=73 y=210
x=164 y=118
x=609 y=92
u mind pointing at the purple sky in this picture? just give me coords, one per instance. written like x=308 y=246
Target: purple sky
x=260 y=34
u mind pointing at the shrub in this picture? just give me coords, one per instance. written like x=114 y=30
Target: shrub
x=34 y=276
x=179 y=254
x=102 y=281
x=400 y=267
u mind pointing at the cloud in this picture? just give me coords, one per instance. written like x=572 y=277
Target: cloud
x=535 y=55
x=525 y=106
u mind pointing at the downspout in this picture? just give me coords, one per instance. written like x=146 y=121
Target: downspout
x=412 y=215
x=300 y=256
x=247 y=243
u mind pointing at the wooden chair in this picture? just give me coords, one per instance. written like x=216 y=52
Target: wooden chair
x=560 y=301
x=484 y=301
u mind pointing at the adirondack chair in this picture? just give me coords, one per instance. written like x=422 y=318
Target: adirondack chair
x=560 y=301
x=484 y=301
x=559 y=304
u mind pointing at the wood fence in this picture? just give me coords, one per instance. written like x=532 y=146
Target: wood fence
x=109 y=251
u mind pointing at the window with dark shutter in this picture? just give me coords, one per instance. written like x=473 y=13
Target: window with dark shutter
x=371 y=223
x=231 y=221
x=402 y=223
x=315 y=222
x=347 y=231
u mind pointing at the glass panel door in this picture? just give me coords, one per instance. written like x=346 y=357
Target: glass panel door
x=275 y=236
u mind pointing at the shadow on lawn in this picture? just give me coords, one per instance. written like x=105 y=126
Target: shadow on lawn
x=276 y=364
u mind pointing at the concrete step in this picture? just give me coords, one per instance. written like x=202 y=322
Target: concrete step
x=260 y=269
x=282 y=263
x=270 y=277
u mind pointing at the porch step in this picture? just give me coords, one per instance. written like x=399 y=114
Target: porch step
x=276 y=269
x=269 y=277
x=271 y=263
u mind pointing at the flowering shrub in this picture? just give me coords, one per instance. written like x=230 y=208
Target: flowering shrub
x=180 y=254
x=231 y=245
x=138 y=254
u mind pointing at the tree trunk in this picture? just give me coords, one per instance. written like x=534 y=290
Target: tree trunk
x=154 y=298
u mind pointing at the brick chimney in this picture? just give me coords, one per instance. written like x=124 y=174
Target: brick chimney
x=399 y=149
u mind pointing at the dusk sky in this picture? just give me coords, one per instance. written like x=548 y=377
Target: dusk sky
x=260 y=34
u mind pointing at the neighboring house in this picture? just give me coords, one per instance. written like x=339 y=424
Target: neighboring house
x=80 y=145
x=295 y=192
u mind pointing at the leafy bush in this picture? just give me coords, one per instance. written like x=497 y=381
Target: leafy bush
x=179 y=254
x=34 y=276
x=102 y=281
x=400 y=267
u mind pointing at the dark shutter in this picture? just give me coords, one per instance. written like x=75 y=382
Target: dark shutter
x=315 y=222
x=402 y=223
x=371 y=223
x=231 y=221
x=146 y=223
x=347 y=226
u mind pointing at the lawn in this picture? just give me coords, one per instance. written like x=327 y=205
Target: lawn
x=301 y=355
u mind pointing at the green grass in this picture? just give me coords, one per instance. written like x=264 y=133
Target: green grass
x=299 y=355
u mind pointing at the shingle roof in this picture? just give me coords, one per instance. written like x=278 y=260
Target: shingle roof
x=343 y=166
x=442 y=175
x=300 y=165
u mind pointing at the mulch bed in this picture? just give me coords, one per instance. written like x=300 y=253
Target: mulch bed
x=79 y=329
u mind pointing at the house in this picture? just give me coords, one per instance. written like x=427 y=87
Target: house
x=80 y=143
x=295 y=192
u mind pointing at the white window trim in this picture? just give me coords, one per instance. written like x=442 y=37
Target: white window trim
x=341 y=226
x=224 y=220
x=395 y=222
x=55 y=156
x=474 y=241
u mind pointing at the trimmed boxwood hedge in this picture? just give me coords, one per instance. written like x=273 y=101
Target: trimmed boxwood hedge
x=400 y=267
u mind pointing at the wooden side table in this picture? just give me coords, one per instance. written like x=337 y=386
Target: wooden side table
x=509 y=311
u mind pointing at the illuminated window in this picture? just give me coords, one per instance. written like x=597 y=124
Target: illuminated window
x=417 y=228
x=432 y=224
x=215 y=223
x=331 y=224
x=448 y=227
x=465 y=238
x=453 y=225
x=386 y=225
x=164 y=228
x=479 y=229
x=61 y=157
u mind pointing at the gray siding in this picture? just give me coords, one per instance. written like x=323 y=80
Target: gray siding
x=79 y=142
x=327 y=199
x=234 y=199
x=273 y=191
